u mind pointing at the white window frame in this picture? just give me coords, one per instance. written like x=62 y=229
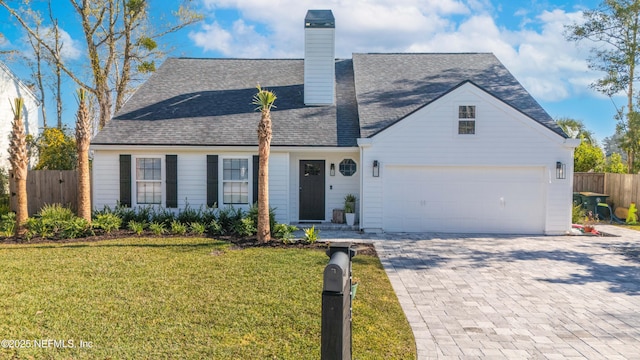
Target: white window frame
x=473 y=119
x=248 y=181
x=135 y=180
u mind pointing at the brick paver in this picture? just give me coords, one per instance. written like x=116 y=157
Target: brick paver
x=517 y=297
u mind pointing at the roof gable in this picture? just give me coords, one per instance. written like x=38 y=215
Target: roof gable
x=389 y=87
x=23 y=89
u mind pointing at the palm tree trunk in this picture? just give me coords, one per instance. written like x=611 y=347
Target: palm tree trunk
x=83 y=138
x=84 y=186
x=264 y=149
x=22 y=209
x=19 y=159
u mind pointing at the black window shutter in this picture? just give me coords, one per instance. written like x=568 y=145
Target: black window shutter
x=171 y=162
x=125 y=180
x=212 y=180
x=256 y=170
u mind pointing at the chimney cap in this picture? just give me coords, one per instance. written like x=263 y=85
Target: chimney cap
x=319 y=19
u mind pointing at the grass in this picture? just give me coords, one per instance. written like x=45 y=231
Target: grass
x=186 y=298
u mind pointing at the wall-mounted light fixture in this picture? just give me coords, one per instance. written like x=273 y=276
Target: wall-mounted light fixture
x=561 y=170
x=376 y=168
x=332 y=169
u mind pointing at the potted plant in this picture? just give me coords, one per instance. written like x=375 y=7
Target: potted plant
x=589 y=222
x=350 y=209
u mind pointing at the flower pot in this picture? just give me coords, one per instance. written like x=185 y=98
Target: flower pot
x=351 y=218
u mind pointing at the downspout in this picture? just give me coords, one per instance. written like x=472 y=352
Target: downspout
x=363 y=143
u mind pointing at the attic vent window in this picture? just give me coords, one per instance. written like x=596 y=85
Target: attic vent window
x=466 y=119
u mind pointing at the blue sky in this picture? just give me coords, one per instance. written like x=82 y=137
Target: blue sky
x=525 y=35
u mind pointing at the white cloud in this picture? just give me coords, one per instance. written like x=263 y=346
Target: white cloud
x=241 y=40
x=536 y=53
x=71 y=49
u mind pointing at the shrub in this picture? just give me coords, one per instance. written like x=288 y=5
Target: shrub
x=284 y=232
x=215 y=228
x=163 y=216
x=125 y=214
x=75 y=228
x=311 y=235
x=8 y=224
x=143 y=214
x=253 y=215
x=197 y=228
x=208 y=214
x=42 y=227
x=228 y=218
x=577 y=214
x=244 y=227
x=136 y=227
x=157 y=228
x=4 y=205
x=56 y=212
x=107 y=222
x=189 y=215
x=56 y=221
x=178 y=228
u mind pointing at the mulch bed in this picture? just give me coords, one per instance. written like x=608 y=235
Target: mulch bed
x=238 y=242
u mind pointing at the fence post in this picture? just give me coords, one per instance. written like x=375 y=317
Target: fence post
x=336 y=303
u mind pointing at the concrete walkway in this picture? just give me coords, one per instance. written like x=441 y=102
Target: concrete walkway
x=516 y=297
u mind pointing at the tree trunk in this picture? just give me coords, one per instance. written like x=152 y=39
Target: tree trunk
x=264 y=149
x=104 y=101
x=22 y=210
x=84 y=186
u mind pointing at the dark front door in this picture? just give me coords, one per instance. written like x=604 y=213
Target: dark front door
x=311 y=189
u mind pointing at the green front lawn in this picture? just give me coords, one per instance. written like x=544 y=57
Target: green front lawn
x=185 y=298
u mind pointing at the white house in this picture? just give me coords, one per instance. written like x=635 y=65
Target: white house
x=426 y=142
x=10 y=88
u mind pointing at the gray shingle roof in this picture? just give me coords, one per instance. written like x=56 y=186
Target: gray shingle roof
x=391 y=86
x=208 y=101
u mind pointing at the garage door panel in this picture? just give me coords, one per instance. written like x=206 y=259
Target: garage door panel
x=464 y=199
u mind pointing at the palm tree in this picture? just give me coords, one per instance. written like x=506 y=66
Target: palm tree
x=264 y=100
x=575 y=129
x=83 y=137
x=19 y=159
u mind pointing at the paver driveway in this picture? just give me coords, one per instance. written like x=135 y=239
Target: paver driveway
x=556 y=297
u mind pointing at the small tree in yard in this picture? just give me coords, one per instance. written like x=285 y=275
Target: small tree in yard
x=19 y=159
x=83 y=138
x=264 y=100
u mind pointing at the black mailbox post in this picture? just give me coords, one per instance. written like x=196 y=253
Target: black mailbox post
x=336 y=303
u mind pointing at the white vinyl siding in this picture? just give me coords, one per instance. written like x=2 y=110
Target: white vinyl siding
x=509 y=140
x=10 y=88
x=319 y=66
x=192 y=177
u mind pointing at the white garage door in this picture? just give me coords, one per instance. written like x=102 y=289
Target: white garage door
x=469 y=199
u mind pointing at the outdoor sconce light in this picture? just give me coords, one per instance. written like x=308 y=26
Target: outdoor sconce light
x=332 y=169
x=376 y=168
x=560 y=170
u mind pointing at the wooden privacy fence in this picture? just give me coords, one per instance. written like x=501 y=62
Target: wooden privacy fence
x=48 y=187
x=623 y=189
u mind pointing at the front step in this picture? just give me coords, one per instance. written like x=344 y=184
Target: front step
x=326 y=226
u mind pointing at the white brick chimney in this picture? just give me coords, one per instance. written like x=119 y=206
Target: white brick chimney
x=319 y=58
